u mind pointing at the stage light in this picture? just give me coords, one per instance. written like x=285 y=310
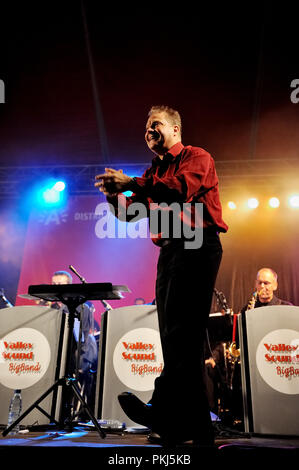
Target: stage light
x=274 y=202
x=232 y=205
x=252 y=203
x=51 y=196
x=59 y=186
x=51 y=193
x=294 y=201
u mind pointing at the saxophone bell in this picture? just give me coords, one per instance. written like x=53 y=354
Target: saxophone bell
x=234 y=352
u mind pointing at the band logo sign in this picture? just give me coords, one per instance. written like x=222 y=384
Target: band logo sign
x=24 y=358
x=277 y=359
x=138 y=358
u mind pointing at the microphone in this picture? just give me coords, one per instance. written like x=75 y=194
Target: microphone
x=106 y=305
x=77 y=274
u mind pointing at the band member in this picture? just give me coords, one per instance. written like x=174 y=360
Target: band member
x=178 y=410
x=266 y=284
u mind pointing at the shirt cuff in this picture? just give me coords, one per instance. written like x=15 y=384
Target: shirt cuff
x=137 y=184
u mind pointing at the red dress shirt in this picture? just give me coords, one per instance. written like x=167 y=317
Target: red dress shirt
x=186 y=174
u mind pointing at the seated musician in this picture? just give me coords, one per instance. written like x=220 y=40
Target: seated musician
x=87 y=364
x=265 y=285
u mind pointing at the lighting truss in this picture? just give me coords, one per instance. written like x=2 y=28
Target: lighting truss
x=268 y=174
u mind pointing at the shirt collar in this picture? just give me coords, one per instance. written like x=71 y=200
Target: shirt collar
x=171 y=155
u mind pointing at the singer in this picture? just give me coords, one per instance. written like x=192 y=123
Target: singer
x=178 y=410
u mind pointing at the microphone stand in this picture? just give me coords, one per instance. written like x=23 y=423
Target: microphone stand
x=222 y=300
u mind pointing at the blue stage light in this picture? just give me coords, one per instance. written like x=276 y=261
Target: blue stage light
x=51 y=196
x=59 y=186
x=52 y=193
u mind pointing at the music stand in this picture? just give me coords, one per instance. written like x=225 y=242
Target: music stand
x=71 y=295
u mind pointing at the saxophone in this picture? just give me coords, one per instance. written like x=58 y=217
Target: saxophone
x=233 y=350
x=232 y=353
x=252 y=301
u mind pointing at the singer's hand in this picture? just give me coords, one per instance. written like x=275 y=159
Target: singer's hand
x=112 y=182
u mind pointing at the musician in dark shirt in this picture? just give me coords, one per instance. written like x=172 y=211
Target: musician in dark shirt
x=266 y=284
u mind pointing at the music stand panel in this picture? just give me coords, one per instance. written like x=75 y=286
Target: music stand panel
x=50 y=323
x=269 y=346
x=116 y=326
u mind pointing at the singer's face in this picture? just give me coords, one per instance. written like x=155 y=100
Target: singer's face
x=160 y=134
x=265 y=285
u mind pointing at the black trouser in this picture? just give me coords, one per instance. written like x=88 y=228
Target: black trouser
x=184 y=290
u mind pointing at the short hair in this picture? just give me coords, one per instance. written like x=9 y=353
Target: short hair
x=173 y=115
x=268 y=269
x=64 y=273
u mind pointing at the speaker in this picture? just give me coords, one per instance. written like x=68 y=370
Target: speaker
x=130 y=358
x=32 y=358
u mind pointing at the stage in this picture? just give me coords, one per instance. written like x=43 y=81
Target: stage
x=134 y=450
x=76 y=90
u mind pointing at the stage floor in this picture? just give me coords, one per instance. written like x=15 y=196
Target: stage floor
x=134 y=451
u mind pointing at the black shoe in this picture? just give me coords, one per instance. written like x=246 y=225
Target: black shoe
x=135 y=409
